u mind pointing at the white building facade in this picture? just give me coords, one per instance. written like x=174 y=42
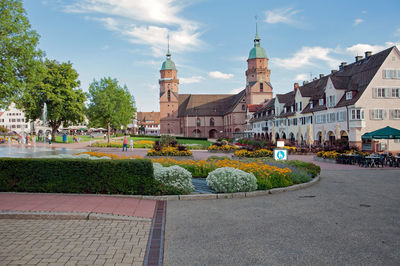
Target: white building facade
x=356 y=99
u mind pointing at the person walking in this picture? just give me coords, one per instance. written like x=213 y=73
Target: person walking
x=131 y=144
x=49 y=138
x=28 y=138
x=125 y=144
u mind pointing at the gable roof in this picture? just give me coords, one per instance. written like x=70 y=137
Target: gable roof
x=254 y=107
x=143 y=117
x=360 y=74
x=208 y=104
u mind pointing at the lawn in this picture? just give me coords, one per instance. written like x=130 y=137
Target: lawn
x=81 y=139
x=204 y=143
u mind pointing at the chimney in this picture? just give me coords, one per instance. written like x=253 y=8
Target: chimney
x=305 y=82
x=333 y=71
x=321 y=76
x=295 y=86
x=342 y=65
x=368 y=54
x=358 y=58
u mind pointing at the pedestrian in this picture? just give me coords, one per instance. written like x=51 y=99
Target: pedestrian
x=131 y=144
x=49 y=138
x=105 y=136
x=125 y=144
x=28 y=138
x=19 y=138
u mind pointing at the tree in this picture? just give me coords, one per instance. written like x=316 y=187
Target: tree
x=111 y=105
x=3 y=129
x=19 y=56
x=59 y=90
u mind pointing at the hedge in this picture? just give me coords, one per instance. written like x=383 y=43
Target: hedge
x=79 y=176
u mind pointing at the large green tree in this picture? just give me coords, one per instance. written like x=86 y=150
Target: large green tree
x=59 y=89
x=19 y=55
x=111 y=105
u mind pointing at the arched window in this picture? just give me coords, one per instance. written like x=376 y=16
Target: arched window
x=211 y=121
x=169 y=95
x=198 y=122
x=243 y=107
x=261 y=87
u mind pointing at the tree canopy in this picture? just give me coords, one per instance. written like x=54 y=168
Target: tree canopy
x=19 y=55
x=59 y=90
x=111 y=105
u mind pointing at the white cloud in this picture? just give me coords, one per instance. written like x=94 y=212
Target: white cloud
x=307 y=56
x=219 y=75
x=194 y=79
x=301 y=77
x=236 y=91
x=145 y=22
x=280 y=15
x=361 y=48
x=357 y=21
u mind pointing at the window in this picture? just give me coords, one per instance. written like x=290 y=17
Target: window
x=379 y=93
x=169 y=95
x=349 y=95
x=330 y=101
x=309 y=120
x=395 y=114
x=211 y=121
x=243 y=107
x=295 y=121
x=291 y=108
x=341 y=116
x=377 y=114
x=391 y=74
x=261 y=87
x=320 y=119
x=331 y=117
x=198 y=122
x=395 y=92
x=311 y=105
x=298 y=106
x=356 y=114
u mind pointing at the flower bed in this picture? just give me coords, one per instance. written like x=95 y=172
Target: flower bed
x=253 y=154
x=169 y=151
x=334 y=154
x=222 y=148
x=114 y=144
x=269 y=173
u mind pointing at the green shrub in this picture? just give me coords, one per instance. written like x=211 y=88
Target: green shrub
x=228 y=180
x=79 y=176
x=167 y=140
x=174 y=176
x=300 y=176
x=310 y=168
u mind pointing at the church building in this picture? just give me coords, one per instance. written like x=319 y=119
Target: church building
x=212 y=115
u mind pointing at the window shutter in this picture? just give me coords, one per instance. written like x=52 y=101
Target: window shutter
x=375 y=93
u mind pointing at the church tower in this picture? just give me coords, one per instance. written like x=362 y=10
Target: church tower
x=258 y=86
x=169 y=122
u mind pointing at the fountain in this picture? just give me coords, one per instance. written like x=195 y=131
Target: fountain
x=44 y=114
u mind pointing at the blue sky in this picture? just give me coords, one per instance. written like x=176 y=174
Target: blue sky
x=210 y=39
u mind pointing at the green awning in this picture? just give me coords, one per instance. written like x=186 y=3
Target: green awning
x=383 y=133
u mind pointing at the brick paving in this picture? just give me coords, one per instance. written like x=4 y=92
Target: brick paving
x=73 y=242
x=35 y=202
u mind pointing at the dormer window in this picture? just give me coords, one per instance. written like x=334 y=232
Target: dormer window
x=321 y=102
x=291 y=108
x=349 y=95
x=311 y=105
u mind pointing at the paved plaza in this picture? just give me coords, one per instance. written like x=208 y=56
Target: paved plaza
x=348 y=218
x=72 y=242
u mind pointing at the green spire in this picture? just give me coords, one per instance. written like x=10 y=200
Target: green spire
x=257 y=38
x=168 y=64
x=257 y=51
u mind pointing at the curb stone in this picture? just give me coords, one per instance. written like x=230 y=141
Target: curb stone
x=39 y=215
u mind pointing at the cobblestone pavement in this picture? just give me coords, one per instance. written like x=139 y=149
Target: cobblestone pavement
x=73 y=242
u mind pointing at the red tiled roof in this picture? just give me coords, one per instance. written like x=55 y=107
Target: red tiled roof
x=254 y=107
x=144 y=117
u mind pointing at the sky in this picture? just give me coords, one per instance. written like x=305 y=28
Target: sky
x=210 y=40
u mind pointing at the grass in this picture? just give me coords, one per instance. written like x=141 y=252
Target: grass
x=204 y=143
x=59 y=139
